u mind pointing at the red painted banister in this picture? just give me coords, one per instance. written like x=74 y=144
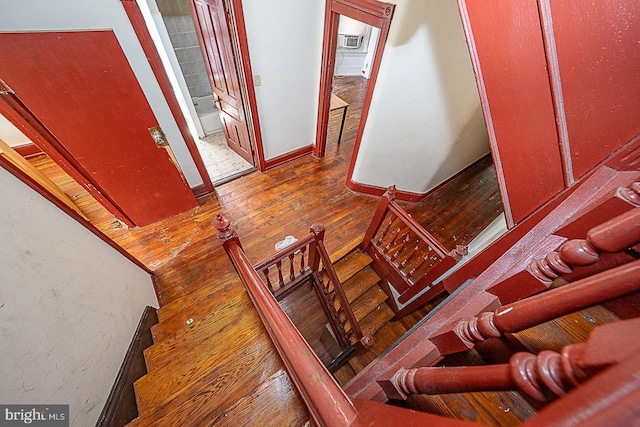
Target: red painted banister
x=327 y=402
x=523 y=314
x=538 y=376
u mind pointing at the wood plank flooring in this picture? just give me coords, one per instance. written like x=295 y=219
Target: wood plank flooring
x=188 y=259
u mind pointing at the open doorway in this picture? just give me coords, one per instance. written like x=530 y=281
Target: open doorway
x=355 y=50
x=370 y=13
x=178 y=38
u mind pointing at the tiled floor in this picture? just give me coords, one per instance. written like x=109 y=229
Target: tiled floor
x=220 y=160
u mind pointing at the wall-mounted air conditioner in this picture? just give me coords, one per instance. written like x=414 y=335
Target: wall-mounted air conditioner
x=347 y=41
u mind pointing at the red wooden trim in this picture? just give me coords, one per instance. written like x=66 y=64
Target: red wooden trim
x=148 y=46
x=200 y=190
x=47 y=195
x=246 y=74
x=555 y=81
x=22 y=118
x=28 y=150
x=292 y=155
x=354 y=9
x=405 y=196
x=486 y=111
x=327 y=403
x=329 y=43
x=368 y=7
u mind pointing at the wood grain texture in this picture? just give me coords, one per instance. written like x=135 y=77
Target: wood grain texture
x=191 y=383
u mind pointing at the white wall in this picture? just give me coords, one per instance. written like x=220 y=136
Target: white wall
x=69 y=306
x=60 y=15
x=425 y=122
x=285 y=45
x=11 y=135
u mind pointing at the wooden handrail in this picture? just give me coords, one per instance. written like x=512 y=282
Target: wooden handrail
x=366 y=340
x=523 y=314
x=327 y=402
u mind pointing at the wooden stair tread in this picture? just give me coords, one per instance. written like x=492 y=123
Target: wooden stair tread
x=376 y=319
x=359 y=283
x=368 y=302
x=180 y=304
x=217 y=364
x=343 y=251
x=350 y=264
x=198 y=310
x=273 y=402
x=195 y=337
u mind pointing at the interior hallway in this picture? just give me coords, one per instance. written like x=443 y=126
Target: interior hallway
x=184 y=252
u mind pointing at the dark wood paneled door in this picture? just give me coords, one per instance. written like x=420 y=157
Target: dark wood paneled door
x=219 y=48
x=80 y=87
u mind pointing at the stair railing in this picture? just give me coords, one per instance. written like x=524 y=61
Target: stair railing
x=540 y=377
x=328 y=404
x=409 y=257
x=307 y=261
x=285 y=270
x=537 y=309
x=614 y=238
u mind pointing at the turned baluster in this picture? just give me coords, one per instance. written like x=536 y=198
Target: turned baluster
x=536 y=376
x=280 y=277
x=394 y=237
x=292 y=273
x=303 y=252
x=531 y=311
x=424 y=259
x=406 y=238
x=615 y=235
x=268 y=279
x=630 y=194
x=413 y=253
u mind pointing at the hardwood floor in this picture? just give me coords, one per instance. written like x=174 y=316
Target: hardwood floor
x=188 y=260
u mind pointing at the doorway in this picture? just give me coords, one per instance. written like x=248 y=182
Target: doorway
x=355 y=50
x=355 y=24
x=178 y=39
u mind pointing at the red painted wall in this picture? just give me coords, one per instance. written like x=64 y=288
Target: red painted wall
x=507 y=42
x=598 y=51
x=560 y=85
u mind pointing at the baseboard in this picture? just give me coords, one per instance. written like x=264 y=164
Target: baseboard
x=280 y=160
x=406 y=196
x=120 y=407
x=200 y=191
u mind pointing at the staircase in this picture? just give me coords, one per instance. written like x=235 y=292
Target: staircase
x=212 y=362
x=365 y=296
x=195 y=375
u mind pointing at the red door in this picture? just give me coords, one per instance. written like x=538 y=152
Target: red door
x=80 y=86
x=218 y=44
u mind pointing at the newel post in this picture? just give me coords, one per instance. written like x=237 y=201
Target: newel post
x=226 y=234
x=314 y=258
x=388 y=197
